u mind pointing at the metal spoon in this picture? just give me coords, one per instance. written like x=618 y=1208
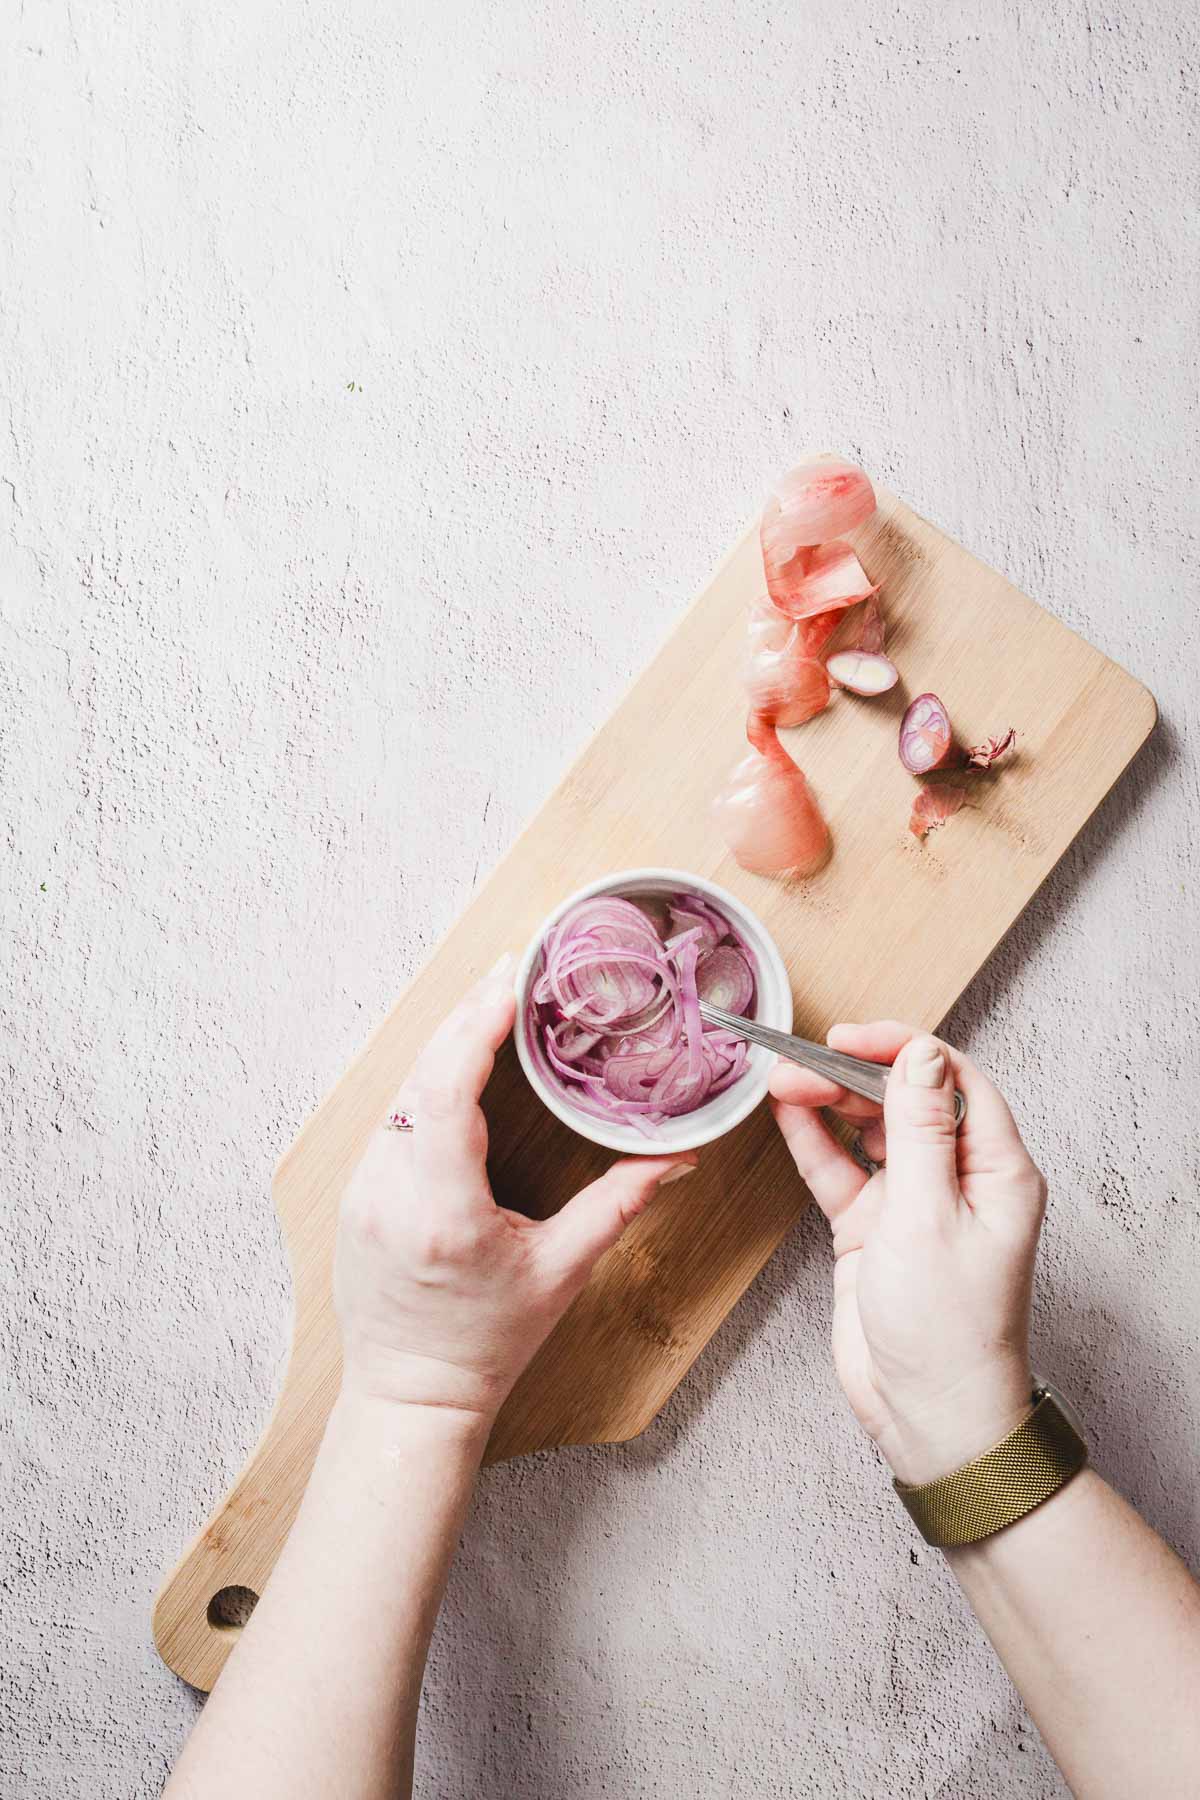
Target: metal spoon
x=866 y=1078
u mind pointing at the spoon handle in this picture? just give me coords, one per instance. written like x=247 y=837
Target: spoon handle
x=865 y=1078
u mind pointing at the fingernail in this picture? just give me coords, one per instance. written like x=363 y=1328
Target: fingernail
x=924 y=1063
x=676 y=1174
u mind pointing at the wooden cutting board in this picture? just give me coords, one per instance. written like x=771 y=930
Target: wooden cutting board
x=892 y=928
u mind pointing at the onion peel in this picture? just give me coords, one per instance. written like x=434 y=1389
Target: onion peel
x=803 y=579
x=933 y=805
x=766 y=811
x=985 y=755
x=783 y=678
x=823 y=498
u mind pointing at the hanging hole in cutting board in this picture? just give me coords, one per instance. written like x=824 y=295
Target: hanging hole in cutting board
x=230 y=1608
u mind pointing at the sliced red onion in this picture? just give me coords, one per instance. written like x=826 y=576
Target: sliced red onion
x=614 y=1008
x=723 y=978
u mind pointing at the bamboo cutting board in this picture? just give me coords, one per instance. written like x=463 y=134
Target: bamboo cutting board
x=891 y=928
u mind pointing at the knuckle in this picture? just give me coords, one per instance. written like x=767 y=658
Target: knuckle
x=433 y=1246
x=442 y=1244
x=440 y=1094
x=929 y=1120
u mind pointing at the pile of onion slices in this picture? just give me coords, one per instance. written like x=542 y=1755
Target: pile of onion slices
x=613 y=1009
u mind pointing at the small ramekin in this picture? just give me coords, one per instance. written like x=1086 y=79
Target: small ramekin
x=687 y=1131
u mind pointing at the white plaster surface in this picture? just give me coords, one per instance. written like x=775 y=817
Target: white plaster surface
x=286 y=662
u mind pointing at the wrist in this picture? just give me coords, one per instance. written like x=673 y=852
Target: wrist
x=392 y=1377
x=933 y=1437
x=383 y=1428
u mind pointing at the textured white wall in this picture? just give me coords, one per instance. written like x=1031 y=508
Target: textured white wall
x=594 y=271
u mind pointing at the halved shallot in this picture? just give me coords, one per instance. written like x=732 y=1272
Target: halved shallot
x=927 y=740
x=766 y=812
x=862 y=671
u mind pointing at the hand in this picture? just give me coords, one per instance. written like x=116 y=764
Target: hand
x=443 y=1296
x=934 y=1254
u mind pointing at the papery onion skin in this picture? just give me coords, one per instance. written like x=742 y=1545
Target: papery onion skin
x=766 y=627
x=766 y=812
x=786 y=685
x=985 y=755
x=815 y=632
x=651 y=956
x=857 y=628
x=862 y=672
x=807 y=579
x=871 y=629
x=783 y=678
x=933 y=806
x=824 y=498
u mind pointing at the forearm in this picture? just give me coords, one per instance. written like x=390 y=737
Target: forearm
x=321 y=1694
x=1098 y=1624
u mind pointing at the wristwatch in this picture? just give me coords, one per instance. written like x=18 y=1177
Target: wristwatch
x=996 y=1489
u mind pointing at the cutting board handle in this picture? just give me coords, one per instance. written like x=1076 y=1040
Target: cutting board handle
x=202 y=1604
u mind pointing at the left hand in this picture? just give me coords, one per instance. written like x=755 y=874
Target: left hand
x=443 y=1296
x=934 y=1255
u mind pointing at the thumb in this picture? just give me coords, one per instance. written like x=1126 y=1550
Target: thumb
x=918 y=1115
x=592 y=1222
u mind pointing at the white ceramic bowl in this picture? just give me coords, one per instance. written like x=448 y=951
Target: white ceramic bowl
x=774 y=1007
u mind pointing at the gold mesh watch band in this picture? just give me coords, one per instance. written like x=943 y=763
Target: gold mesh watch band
x=1003 y=1484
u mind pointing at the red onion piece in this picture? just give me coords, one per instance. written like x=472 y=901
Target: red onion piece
x=926 y=739
x=657 y=912
x=687 y=918
x=723 y=978
x=862 y=671
x=613 y=1014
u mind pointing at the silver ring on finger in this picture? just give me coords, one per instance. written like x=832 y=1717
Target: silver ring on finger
x=399 y=1121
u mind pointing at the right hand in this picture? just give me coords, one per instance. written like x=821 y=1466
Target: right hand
x=934 y=1253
